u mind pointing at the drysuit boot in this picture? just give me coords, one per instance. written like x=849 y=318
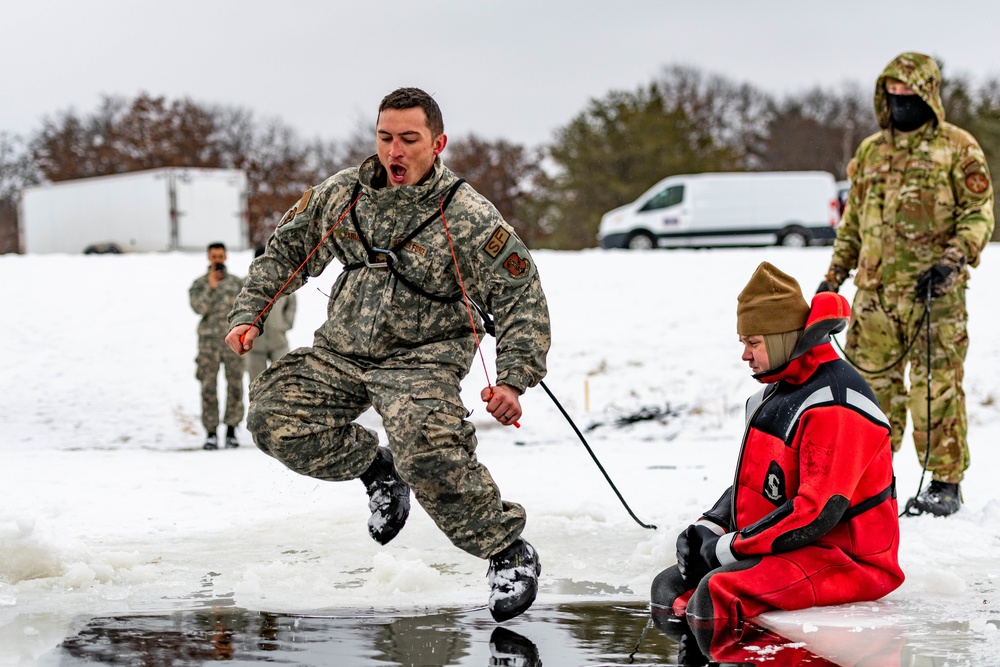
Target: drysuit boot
x=211 y=442
x=388 y=497
x=939 y=499
x=513 y=579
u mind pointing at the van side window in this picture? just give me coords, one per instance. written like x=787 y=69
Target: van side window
x=665 y=198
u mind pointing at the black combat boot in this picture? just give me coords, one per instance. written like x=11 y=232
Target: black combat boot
x=939 y=499
x=211 y=441
x=513 y=649
x=388 y=497
x=231 y=441
x=513 y=579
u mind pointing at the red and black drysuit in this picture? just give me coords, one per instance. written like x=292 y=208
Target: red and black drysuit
x=811 y=519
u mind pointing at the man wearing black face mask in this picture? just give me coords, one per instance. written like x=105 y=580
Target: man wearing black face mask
x=919 y=212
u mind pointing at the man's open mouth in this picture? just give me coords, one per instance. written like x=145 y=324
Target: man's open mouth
x=398 y=172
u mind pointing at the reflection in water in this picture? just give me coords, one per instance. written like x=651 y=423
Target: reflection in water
x=569 y=634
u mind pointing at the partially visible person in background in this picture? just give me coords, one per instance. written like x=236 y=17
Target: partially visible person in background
x=212 y=296
x=918 y=214
x=272 y=344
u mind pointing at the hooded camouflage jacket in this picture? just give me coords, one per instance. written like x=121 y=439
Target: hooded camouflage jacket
x=913 y=194
x=372 y=314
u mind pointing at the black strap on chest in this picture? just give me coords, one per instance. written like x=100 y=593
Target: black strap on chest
x=386 y=258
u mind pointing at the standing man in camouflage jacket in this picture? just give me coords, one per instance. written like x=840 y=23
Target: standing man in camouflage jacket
x=212 y=297
x=919 y=212
x=399 y=337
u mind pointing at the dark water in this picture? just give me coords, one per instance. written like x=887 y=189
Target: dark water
x=567 y=634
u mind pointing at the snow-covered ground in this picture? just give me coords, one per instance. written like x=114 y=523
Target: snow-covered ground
x=109 y=505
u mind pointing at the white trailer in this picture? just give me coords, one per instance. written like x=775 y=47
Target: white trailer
x=173 y=208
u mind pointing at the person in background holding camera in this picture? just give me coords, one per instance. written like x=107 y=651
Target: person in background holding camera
x=272 y=344
x=212 y=297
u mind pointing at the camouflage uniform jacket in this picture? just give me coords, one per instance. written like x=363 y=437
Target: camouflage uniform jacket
x=913 y=194
x=214 y=304
x=371 y=314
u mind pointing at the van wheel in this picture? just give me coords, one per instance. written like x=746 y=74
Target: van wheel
x=641 y=241
x=795 y=238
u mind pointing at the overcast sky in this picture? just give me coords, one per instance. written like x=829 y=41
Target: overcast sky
x=512 y=69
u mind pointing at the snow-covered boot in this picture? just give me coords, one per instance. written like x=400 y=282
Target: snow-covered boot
x=939 y=499
x=513 y=579
x=388 y=497
x=211 y=442
x=231 y=441
x=510 y=649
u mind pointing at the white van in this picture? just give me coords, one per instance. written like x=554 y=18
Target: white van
x=792 y=208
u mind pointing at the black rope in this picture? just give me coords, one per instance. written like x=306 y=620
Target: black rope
x=490 y=328
x=593 y=456
x=927 y=448
x=902 y=357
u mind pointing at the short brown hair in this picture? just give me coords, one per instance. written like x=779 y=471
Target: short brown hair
x=408 y=98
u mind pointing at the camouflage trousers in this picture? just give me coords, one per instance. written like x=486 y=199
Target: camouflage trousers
x=212 y=354
x=302 y=412
x=258 y=357
x=878 y=334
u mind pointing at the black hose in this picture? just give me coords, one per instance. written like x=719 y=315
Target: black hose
x=593 y=456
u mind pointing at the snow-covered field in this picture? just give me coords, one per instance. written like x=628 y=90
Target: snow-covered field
x=109 y=505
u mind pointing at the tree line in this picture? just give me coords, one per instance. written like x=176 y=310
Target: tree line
x=683 y=121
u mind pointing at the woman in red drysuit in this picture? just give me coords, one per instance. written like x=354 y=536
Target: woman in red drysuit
x=811 y=518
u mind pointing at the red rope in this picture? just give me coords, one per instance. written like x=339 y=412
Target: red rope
x=465 y=296
x=308 y=257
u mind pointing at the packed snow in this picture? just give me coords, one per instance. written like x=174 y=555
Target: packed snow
x=110 y=506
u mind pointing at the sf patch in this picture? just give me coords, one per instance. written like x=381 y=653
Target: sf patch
x=516 y=265
x=977 y=182
x=497 y=241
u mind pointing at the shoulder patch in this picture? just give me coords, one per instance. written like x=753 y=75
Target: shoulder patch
x=516 y=265
x=497 y=241
x=302 y=204
x=969 y=165
x=977 y=182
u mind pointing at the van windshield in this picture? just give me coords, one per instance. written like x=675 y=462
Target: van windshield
x=665 y=198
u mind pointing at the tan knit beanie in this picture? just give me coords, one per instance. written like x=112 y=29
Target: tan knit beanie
x=771 y=303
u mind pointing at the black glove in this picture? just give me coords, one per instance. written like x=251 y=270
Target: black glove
x=696 y=553
x=835 y=277
x=937 y=280
x=941 y=278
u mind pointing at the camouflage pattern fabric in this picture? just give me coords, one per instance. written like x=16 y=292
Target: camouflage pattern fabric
x=878 y=334
x=914 y=196
x=272 y=344
x=210 y=356
x=385 y=345
x=302 y=411
x=213 y=305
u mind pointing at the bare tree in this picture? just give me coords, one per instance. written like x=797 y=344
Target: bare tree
x=17 y=171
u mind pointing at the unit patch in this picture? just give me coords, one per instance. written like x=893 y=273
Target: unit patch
x=515 y=265
x=977 y=182
x=496 y=243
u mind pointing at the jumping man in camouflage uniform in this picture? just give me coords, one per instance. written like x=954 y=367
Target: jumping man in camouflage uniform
x=920 y=210
x=212 y=297
x=399 y=337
